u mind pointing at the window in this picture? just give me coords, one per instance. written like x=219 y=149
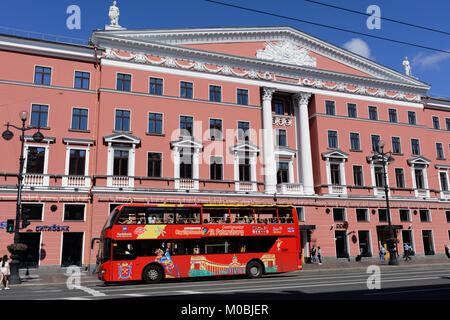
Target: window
x=335 y=170
x=300 y=214
x=405 y=215
x=396 y=145
x=34 y=211
x=244 y=169
x=375 y=141
x=379 y=176
x=39 y=116
x=154 y=161
x=354 y=142
x=425 y=215
x=79 y=119
x=243 y=131
x=215 y=129
x=283 y=172
x=415 y=147
x=186 y=158
x=400 y=178
x=447 y=214
x=447 y=123
x=278 y=107
x=439 y=151
x=420 y=182
x=332 y=139
x=122 y=120
x=215 y=93
x=35 y=160
x=156 y=86
x=120 y=163
x=362 y=215
x=186 y=126
x=393 y=115
x=339 y=214
x=358 y=176
x=123 y=82
x=82 y=80
x=74 y=212
x=77 y=162
x=42 y=75
x=242 y=96
x=352 y=111
x=373 y=113
x=330 y=108
x=215 y=168
x=444 y=181
x=186 y=89
x=412 y=118
x=155 y=123
x=436 y=124
x=383 y=215
x=281 y=137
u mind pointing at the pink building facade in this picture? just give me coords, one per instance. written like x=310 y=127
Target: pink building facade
x=238 y=116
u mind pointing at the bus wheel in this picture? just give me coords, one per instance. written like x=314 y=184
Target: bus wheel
x=254 y=270
x=152 y=274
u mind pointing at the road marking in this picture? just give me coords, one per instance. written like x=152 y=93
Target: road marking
x=189 y=292
x=405 y=291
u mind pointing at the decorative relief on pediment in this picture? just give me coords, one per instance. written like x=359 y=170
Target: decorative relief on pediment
x=286 y=52
x=254 y=74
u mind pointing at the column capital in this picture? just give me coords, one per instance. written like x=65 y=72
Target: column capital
x=267 y=93
x=302 y=98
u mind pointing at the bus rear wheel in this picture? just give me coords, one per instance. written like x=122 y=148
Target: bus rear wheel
x=254 y=270
x=152 y=274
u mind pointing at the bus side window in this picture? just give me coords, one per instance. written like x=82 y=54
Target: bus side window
x=266 y=215
x=285 y=215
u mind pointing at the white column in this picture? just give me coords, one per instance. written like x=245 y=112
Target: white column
x=270 y=168
x=195 y=168
x=302 y=100
x=176 y=167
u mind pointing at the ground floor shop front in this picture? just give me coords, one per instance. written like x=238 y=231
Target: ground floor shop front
x=63 y=226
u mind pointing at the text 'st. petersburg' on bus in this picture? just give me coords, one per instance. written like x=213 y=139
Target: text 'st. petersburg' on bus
x=154 y=242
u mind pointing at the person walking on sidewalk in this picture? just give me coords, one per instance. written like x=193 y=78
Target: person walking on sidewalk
x=382 y=253
x=313 y=255
x=407 y=249
x=5 y=273
x=319 y=255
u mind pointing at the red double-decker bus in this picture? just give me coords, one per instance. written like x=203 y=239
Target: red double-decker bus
x=156 y=242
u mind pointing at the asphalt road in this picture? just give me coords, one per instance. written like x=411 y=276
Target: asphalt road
x=431 y=282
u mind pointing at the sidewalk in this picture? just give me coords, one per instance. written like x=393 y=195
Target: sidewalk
x=39 y=277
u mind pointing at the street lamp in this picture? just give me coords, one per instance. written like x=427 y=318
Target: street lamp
x=387 y=157
x=8 y=135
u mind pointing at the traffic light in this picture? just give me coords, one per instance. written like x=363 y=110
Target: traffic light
x=25 y=217
x=10 y=225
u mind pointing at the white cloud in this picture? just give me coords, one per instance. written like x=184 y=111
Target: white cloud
x=359 y=46
x=431 y=61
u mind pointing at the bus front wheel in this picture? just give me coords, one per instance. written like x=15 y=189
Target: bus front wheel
x=254 y=270
x=152 y=274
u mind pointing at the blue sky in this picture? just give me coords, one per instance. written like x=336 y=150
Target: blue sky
x=49 y=16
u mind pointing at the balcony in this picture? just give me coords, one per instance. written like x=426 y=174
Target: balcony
x=76 y=182
x=120 y=182
x=290 y=188
x=422 y=193
x=243 y=186
x=35 y=180
x=445 y=195
x=337 y=189
x=186 y=184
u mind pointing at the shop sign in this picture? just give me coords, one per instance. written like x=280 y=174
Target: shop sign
x=53 y=228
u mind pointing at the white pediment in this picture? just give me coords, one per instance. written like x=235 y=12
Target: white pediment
x=244 y=147
x=286 y=52
x=186 y=143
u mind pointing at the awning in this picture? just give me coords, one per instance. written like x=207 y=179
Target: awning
x=386 y=227
x=307 y=227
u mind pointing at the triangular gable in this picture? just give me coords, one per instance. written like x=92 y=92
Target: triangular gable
x=335 y=154
x=244 y=147
x=122 y=138
x=419 y=160
x=186 y=143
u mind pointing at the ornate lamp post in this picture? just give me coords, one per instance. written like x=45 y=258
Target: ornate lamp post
x=387 y=157
x=37 y=137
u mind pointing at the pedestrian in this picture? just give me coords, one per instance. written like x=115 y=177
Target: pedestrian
x=313 y=255
x=319 y=255
x=382 y=253
x=5 y=272
x=407 y=249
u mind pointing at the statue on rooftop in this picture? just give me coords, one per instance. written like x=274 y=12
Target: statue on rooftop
x=407 y=66
x=114 y=15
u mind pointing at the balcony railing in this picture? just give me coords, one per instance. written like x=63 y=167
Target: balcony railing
x=337 y=189
x=445 y=194
x=120 y=182
x=422 y=193
x=35 y=180
x=290 y=188
x=186 y=184
x=243 y=186
x=76 y=182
